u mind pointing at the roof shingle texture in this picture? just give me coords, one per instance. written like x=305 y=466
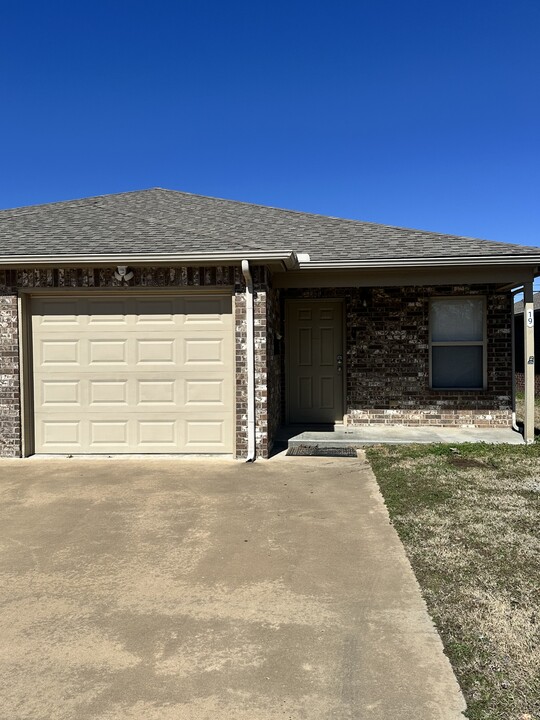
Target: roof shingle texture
x=161 y=221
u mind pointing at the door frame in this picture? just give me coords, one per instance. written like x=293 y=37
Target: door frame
x=24 y=307
x=289 y=303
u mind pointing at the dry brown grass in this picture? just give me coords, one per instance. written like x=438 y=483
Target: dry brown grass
x=469 y=519
x=520 y=407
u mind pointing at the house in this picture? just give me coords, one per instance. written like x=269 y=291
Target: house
x=519 y=358
x=159 y=321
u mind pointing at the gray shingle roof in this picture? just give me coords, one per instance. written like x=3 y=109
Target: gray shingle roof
x=167 y=221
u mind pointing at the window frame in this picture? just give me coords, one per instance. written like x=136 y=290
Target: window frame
x=459 y=343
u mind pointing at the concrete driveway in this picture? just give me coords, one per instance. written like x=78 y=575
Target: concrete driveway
x=171 y=589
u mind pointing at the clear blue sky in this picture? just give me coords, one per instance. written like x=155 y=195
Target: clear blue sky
x=416 y=113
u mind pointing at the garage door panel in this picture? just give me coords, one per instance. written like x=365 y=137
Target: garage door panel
x=109 y=433
x=52 y=393
x=55 y=435
x=156 y=351
x=204 y=351
x=107 y=352
x=156 y=392
x=107 y=393
x=158 y=433
x=52 y=314
x=181 y=390
x=133 y=375
x=106 y=313
x=204 y=432
x=212 y=311
x=159 y=312
x=57 y=352
x=204 y=392
x=208 y=350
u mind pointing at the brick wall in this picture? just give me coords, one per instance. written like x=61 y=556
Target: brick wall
x=274 y=358
x=261 y=389
x=387 y=350
x=148 y=277
x=520 y=382
x=387 y=354
x=241 y=375
x=10 y=415
x=259 y=333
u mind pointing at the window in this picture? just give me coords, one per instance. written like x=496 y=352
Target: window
x=457 y=339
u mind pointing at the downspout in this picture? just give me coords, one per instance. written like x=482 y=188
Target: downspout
x=250 y=352
x=514 y=418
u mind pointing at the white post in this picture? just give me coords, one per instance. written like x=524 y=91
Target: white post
x=528 y=333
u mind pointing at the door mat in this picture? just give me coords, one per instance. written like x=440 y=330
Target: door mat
x=315 y=450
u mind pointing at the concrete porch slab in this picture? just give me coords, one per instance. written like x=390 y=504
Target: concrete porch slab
x=397 y=434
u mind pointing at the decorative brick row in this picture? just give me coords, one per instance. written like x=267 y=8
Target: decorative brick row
x=162 y=277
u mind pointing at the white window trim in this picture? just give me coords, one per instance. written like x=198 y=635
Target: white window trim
x=459 y=343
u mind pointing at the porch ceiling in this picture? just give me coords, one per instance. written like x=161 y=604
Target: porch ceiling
x=508 y=275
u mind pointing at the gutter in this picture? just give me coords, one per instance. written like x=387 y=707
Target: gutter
x=288 y=259
x=250 y=352
x=477 y=260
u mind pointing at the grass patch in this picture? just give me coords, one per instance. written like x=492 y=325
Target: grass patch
x=520 y=409
x=469 y=519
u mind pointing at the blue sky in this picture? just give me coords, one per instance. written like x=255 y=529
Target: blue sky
x=420 y=113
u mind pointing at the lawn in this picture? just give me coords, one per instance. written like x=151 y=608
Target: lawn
x=469 y=519
x=520 y=407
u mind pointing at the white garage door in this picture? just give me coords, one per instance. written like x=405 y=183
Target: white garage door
x=150 y=374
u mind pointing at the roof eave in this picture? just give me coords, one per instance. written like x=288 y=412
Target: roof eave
x=285 y=260
x=476 y=261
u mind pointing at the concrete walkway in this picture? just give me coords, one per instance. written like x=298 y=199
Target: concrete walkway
x=399 y=435
x=206 y=590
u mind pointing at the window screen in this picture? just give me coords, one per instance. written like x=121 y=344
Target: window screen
x=457 y=342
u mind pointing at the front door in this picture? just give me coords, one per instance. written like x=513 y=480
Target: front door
x=314 y=337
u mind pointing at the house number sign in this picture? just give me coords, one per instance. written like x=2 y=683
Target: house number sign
x=530 y=318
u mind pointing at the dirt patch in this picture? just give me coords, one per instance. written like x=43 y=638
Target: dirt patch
x=461 y=462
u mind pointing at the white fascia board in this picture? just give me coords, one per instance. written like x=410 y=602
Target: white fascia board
x=480 y=260
x=288 y=259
